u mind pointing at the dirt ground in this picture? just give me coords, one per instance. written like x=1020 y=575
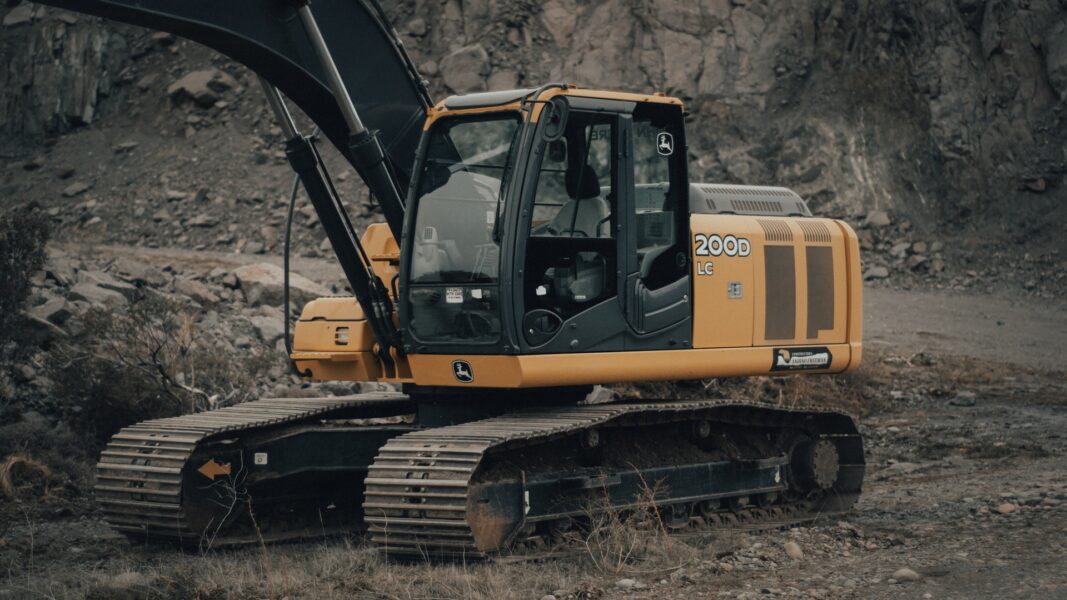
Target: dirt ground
x=965 y=423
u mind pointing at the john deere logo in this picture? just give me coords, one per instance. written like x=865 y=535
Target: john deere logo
x=665 y=144
x=463 y=371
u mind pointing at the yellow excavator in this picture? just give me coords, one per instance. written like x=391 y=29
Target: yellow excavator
x=536 y=242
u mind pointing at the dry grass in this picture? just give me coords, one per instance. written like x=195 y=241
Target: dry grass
x=613 y=544
x=20 y=473
x=855 y=393
x=337 y=569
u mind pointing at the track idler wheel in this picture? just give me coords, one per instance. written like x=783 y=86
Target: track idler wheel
x=815 y=464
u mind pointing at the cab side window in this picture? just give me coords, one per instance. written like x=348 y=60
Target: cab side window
x=571 y=255
x=574 y=196
x=657 y=194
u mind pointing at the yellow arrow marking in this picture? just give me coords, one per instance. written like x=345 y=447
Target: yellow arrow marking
x=212 y=469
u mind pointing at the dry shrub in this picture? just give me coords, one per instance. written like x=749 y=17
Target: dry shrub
x=632 y=541
x=858 y=392
x=143 y=362
x=23 y=234
x=22 y=476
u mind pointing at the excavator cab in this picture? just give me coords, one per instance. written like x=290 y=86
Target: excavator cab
x=582 y=199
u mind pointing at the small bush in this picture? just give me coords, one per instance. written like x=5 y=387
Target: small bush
x=23 y=235
x=143 y=362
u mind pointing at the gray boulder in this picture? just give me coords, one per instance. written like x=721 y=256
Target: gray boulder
x=54 y=311
x=204 y=87
x=465 y=70
x=263 y=283
x=196 y=290
x=269 y=329
x=107 y=282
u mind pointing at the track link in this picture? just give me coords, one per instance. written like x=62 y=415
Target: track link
x=422 y=492
x=140 y=479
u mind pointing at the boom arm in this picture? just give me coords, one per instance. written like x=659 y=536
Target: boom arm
x=271 y=38
x=371 y=108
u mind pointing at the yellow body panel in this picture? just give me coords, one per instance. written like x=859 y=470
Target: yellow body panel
x=545 y=370
x=333 y=341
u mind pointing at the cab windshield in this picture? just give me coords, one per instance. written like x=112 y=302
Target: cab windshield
x=455 y=259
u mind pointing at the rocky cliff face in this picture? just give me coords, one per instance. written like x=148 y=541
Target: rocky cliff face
x=57 y=70
x=935 y=110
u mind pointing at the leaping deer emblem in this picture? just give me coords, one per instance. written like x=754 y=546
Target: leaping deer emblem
x=462 y=370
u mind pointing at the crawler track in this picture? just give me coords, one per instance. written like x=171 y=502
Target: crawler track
x=443 y=492
x=144 y=472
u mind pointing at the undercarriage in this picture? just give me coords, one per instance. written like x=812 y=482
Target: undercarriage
x=517 y=482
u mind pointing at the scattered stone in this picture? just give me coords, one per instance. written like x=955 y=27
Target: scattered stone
x=1036 y=185
x=919 y=248
x=899 y=250
x=107 y=282
x=163 y=38
x=25 y=374
x=428 y=68
x=906 y=574
x=269 y=329
x=125 y=147
x=417 y=28
x=37 y=331
x=965 y=398
x=174 y=196
x=96 y=295
x=792 y=550
x=161 y=215
x=204 y=87
x=34 y=163
x=195 y=290
x=877 y=219
x=145 y=83
x=19 y=15
x=203 y=220
x=1007 y=508
x=76 y=188
x=915 y=261
x=60 y=270
x=876 y=273
x=503 y=80
x=465 y=69
x=626 y=584
x=54 y=311
x=263 y=284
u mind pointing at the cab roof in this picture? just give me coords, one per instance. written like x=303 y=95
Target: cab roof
x=501 y=99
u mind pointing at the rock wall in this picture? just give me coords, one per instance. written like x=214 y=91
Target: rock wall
x=936 y=110
x=57 y=70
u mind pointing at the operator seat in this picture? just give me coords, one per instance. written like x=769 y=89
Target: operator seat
x=586 y=214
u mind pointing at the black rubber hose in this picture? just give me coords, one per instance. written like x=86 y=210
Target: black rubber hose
x=285 y=289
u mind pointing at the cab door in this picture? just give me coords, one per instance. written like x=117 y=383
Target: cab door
x=655 y=247
x=569 y=242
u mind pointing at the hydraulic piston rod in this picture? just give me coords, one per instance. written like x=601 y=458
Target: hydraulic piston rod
x=367 y=152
